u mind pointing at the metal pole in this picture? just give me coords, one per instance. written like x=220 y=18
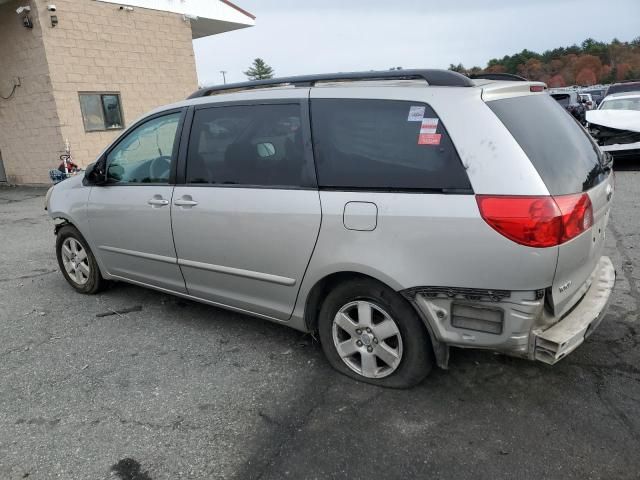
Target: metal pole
x=224 y=77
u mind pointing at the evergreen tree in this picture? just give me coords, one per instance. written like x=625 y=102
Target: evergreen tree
x=259 y=70
x=457 y=68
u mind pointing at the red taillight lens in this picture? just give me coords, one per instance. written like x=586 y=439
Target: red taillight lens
x=536 y=88
x=531 y=221
x=537 y=221
x=577 y=214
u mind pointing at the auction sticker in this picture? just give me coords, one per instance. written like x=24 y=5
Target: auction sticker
x=429 y=125
x=416 y=113
x=429 y=139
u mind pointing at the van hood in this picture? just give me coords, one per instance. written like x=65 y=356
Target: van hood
x=618 y=119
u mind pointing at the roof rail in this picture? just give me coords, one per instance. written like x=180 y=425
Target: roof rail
x=498 y=76
x=432 y=77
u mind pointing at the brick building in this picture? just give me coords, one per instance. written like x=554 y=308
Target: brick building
x=83 y=72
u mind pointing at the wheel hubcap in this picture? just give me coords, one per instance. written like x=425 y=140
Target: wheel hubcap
x=75 y=261
x=367 y=339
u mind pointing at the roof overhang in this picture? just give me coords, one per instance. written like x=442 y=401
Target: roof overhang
x=208 y=17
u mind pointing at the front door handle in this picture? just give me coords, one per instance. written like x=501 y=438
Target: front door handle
x=158 y=201
x=185 y=201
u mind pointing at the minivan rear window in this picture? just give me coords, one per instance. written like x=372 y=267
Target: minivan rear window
x=384 y=145
x=562 y=152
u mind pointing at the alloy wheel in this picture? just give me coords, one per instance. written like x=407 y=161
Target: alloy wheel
x=75 y=261
x=367 y=339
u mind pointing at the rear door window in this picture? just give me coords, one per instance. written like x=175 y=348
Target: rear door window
x=560 y=149
x=384 y=145
x=252 y=145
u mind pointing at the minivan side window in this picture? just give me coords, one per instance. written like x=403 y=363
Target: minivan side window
x=255 y=145
x=144 y=155
x=384 y=145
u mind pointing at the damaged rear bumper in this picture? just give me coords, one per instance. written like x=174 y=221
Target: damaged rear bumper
x=515 y=323
x=557 y=341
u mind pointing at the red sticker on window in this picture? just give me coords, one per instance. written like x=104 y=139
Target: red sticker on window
x=429 y=125
x=429 y=139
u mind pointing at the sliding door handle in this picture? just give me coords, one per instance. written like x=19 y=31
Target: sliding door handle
x=158 y=202
x=183 y=202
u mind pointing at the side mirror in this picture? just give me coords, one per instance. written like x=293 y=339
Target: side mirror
x=95 y=174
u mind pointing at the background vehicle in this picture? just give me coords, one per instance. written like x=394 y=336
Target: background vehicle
x=597 y=94
x=366 y=206
x=616 y=125
x=622 y=87
x=572 y=103
x=587 y=101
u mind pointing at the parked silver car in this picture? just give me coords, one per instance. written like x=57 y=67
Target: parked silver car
x=396 y=213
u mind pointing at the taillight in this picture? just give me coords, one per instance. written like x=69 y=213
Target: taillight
x=577 y=214
x=537 y=221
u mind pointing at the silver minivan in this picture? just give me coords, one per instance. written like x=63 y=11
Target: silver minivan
x=396 y=213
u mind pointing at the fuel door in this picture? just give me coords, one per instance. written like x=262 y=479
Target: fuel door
x=361 y=216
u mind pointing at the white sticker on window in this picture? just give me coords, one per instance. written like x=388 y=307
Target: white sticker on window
x=416 y=113
x=429 y=125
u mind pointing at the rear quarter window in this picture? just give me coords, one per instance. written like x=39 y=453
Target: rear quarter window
x=377 y=144
x=561 y=151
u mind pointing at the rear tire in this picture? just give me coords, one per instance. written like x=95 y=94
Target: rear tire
x=77 y=262
x=371 y=334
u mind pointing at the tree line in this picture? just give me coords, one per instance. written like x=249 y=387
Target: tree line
x=592 y=62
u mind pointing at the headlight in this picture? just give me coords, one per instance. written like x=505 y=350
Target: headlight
x=47 y=197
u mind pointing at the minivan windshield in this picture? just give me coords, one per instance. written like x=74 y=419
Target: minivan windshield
x=560 y=149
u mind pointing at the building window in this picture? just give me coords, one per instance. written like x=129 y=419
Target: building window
x=101 y=111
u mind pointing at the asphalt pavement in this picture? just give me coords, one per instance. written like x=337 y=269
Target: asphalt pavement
x=179 y=390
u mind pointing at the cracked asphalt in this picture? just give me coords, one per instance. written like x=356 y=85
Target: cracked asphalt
x=181 y=390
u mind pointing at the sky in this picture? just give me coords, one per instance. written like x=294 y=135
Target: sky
x=321 y=36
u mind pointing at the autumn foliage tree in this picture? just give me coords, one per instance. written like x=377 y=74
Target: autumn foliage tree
x=586 y=76
x=556 y=81
x=589 y=63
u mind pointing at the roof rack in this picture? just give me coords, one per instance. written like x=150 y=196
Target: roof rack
x=432 y=77
x=498 y=76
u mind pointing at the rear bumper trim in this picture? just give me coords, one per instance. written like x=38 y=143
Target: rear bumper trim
x=554 y=343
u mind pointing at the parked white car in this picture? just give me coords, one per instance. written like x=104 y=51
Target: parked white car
x=616 y=124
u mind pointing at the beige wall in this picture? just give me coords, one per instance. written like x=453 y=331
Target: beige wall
x=145 y=55
x=29 y=125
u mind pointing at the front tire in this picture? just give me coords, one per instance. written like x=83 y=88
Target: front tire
x=77 y=262
x=370 y=333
